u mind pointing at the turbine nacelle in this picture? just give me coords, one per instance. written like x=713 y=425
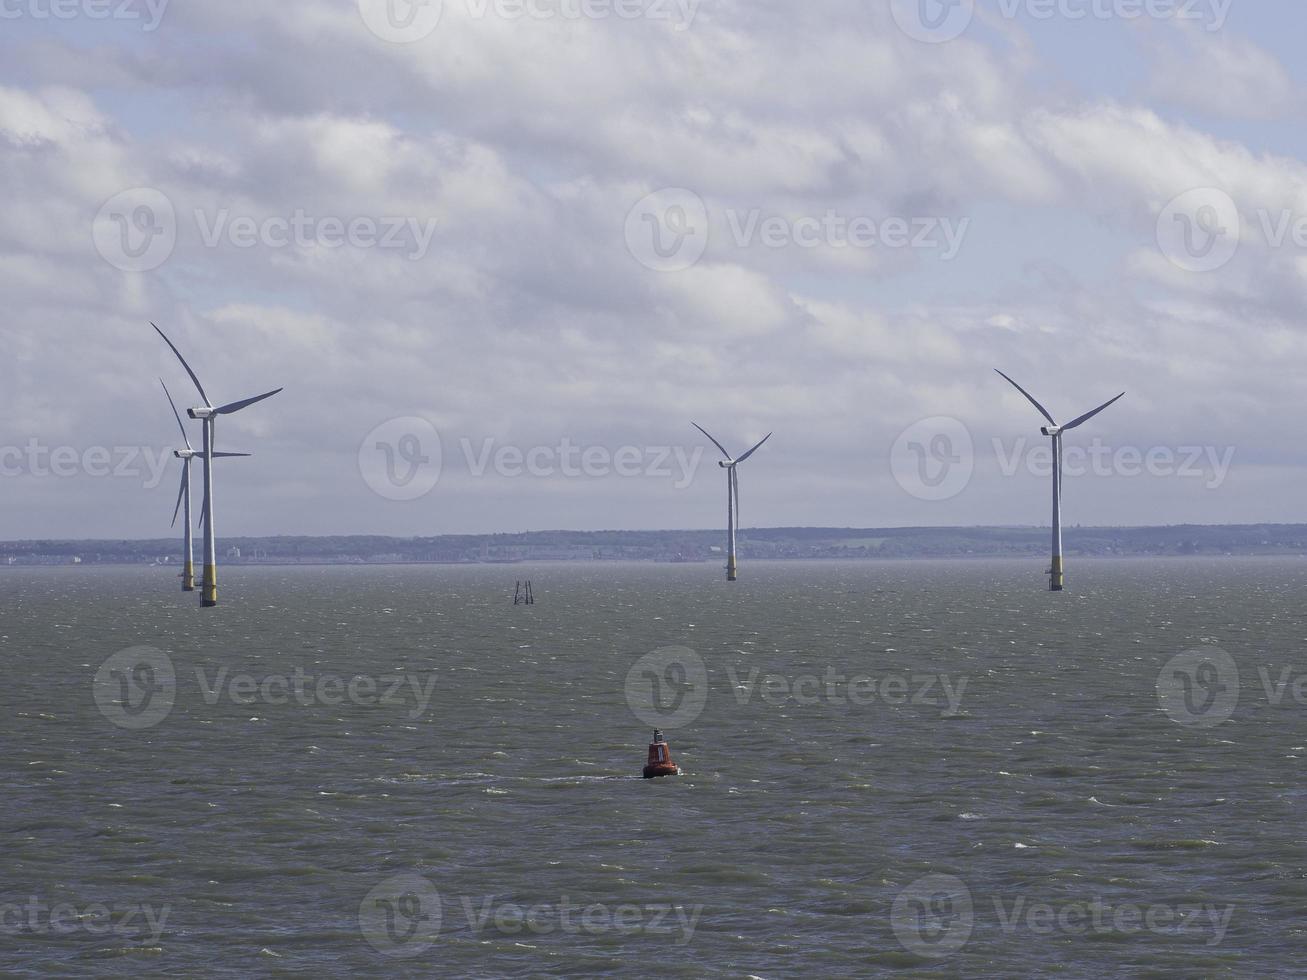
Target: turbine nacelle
x=201 y=413
x=726 y=464
x=1052 y=430
x=185 y=453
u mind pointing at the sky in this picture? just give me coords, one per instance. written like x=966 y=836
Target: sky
x=501 y=253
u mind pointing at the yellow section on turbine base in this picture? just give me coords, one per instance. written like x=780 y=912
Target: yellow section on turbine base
x=210 y=594
x=730 y=569
x=1055 y=575
x=188 y=577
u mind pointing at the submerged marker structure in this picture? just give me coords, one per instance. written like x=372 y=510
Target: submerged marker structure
x=660 y=759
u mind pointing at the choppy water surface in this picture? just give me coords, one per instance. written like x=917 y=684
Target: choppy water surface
x=836 y=816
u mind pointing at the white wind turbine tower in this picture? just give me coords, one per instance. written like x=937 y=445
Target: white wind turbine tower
x=208 y=414
x=184 y=496
x=1055 y=431
x=732 y=495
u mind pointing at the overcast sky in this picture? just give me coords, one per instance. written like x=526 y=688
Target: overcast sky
x=501 y=253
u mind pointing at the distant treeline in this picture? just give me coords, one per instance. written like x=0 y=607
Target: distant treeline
x=779 y=542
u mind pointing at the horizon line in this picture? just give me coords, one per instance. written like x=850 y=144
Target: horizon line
x=709 y=530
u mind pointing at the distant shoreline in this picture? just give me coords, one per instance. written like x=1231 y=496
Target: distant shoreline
x=174 y=568
x=685 y=547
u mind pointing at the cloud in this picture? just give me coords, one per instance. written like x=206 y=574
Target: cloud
x=1220 y=74
x=511 y=306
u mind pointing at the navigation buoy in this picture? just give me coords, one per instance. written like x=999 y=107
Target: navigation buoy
x=660 y=758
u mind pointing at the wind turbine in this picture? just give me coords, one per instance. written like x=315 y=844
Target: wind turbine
x=208 y=414
x=732 y=495
x=1055 y=431
x=184 y=496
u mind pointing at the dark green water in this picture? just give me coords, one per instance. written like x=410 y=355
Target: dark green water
x=1061 y=818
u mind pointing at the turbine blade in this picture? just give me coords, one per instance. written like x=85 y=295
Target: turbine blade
x=176 y=414
x=754 y=449
x=714 y=441
x=199 y=387
x=1029 y=397
x=223 y=455
x=181 y=492
x=243 y=403
x=204 y=509
x=1089 y=415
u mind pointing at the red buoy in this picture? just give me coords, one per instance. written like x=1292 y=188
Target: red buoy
x=660 y=759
